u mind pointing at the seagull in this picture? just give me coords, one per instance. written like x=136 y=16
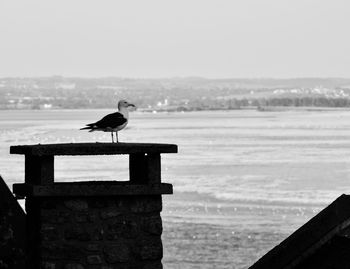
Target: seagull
x=113 y=122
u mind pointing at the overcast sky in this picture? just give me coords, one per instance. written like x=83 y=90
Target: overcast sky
x=161 y=38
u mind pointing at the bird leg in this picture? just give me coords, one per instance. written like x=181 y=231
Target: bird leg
x=116 y=134
x=112 y=137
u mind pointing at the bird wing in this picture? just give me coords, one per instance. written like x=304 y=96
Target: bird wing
x=111 y=121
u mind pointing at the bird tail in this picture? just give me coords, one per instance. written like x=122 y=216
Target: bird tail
x=86 y=128
x=90 y=126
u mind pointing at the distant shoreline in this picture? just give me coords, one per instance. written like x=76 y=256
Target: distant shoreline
x=173 y=110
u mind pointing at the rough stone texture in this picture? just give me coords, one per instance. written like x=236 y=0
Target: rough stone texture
x=12 y=230
x=73 y=266
x=117 y=253
x=93 y=247
x=153 y=265
x=94 y=259
x=76 y=204
x=151 y=249
x=109 y=213
x=96 y=232
x=153 y=225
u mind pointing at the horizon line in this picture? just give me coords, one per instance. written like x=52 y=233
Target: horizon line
x=172 y=77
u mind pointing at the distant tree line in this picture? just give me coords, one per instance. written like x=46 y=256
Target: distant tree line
x=307 y=101
x=166 y=99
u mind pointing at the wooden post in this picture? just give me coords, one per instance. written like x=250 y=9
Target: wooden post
x=153 y=168
x=137 y=168
x=145 y=168
x=39 y=170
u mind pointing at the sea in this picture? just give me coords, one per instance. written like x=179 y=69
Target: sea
x=243 y=180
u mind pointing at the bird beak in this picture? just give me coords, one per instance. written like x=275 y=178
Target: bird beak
x=131 y=105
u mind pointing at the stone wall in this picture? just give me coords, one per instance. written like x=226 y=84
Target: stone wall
x=10 y=253
x=12 y=230
x=94 y=232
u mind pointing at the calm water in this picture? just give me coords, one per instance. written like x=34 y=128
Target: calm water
x=243 y=180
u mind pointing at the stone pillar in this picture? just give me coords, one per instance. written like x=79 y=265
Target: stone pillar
x=94 y=224
x=95 y=230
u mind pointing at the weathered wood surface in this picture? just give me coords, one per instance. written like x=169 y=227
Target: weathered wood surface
x=92 y=149
x=307 y=241
x=39 y=169
x=333 y=254
x=145 y=168
x=91 y=188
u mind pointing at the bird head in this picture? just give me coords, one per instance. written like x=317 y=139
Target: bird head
x=124 y=104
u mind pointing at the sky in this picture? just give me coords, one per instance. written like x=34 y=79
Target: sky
x=163 y=38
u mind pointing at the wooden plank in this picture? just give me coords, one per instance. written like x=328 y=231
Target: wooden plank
x=92 y=149
x=153 y=168
x=77 y=189
x=39 y=169
x=304 y=241
x=138 y=168
x=334 y=254
x=145 y=168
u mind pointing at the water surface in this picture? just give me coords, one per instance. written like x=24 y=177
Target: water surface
x=243 y=180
